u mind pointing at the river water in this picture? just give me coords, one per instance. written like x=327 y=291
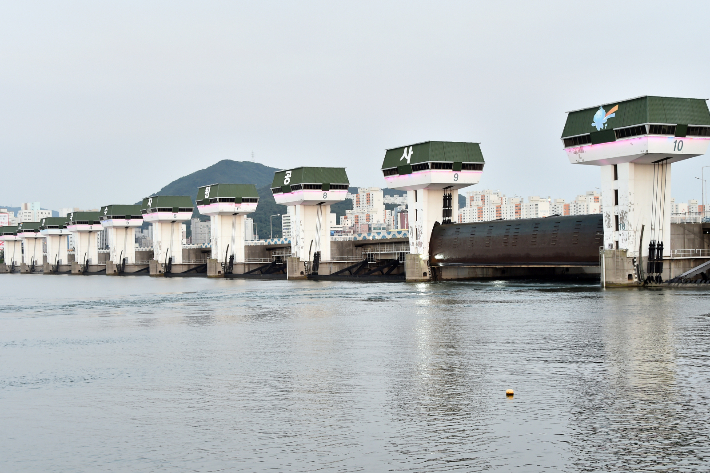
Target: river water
x=145 y=374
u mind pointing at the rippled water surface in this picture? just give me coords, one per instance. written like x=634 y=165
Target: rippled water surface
x=142 y=374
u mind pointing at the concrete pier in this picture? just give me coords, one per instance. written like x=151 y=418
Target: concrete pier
x=166 y=214
x=227 y=205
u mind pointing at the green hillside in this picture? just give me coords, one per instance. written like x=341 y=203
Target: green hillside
x=223 y=172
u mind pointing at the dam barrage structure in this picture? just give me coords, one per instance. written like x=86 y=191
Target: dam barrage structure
x=634 y=142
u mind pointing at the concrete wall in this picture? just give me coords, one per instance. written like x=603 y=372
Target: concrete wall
x=417 y=269
x=257 y=251
x=690 y=236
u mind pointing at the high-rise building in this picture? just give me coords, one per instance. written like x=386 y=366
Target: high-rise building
x=368 y=208
x=201 y=232
x=31 y=212
x=286 y=226
x=486 y=205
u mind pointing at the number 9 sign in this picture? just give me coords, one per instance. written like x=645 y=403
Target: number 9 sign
x=456 y=176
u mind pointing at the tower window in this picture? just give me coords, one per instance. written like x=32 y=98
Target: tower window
x=616 y=196
x=616 y=173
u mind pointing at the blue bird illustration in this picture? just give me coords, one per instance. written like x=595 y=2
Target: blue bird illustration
x=602 y=116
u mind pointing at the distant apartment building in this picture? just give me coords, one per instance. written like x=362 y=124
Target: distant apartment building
x=31 y=212
x=250 y=232
x=368 y=209
x=395 y=199
x=5 y=221
x=144 y=238
x=688 y=212
x=286 y=226
x=486 y=205
x=200 y=232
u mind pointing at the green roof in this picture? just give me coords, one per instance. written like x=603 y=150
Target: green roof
x=230 y=191
x=92 y=217
x=173 y=202
x=28 y=227
x=55 y=222
x=433 y=151
x=640 y=111
x=305 y=175
x=121 y=211
x=8 y=230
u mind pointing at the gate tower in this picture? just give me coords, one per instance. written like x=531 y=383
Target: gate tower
x=120 y=222
x=227 y=204
x=166 y=213
x=33 y=244
x=85 y=226
x=634 y=142
x=55 y=231
x=309 y=192
x=13 y=245
x=431 y=172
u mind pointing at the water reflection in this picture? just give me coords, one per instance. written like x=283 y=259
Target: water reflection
x=255 y=375
x=631 y=412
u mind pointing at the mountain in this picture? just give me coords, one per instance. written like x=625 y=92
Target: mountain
x=223 y=172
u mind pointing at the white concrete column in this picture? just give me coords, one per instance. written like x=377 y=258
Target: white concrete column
x=13 y=252
x=122 y=244
x=227 y=237
x=167 y=242
x=33 y=251
x=426 y=208
x=57 y=251
x=644 y=198
x=303 y=231
x=86 y=247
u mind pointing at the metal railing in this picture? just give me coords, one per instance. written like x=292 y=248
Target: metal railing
x=387 y=248
x=345 y=259
x=258 y=260
x=689 y=253
x=690 y=217
x=378 y=235
x=271 y=241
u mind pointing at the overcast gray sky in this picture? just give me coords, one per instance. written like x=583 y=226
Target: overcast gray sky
x=106 y=102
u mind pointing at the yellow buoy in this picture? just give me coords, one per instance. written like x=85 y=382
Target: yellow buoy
x=509 y=393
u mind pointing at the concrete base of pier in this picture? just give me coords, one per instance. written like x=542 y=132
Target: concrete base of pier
x=4 y=268
x=295 y=268
x=93 y=269
x=417 y=269
x=129 y=270
x=61 y=269
x=156 y=269
x=25 y=269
